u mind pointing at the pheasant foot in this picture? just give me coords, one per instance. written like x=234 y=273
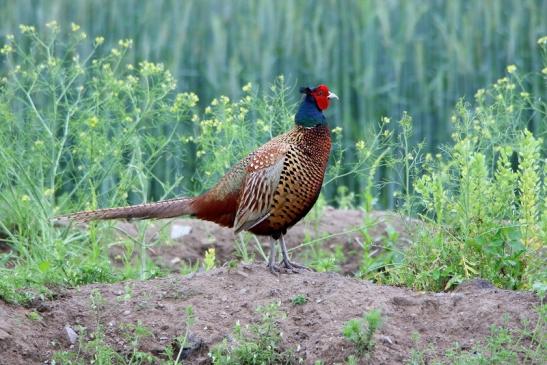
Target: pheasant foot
x=293 y=266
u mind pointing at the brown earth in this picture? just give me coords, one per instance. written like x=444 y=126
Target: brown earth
x=223 y=296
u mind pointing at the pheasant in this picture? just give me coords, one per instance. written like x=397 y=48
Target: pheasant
x=266 y=193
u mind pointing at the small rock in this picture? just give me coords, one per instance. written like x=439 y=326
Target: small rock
x=386 y=339
x=242 y=274
x=474 y=285
x=193 y=345
x=4 y=335
x=404 y=302
x=243 y=291
x=126 y=312
x=178 y=231
x=71 y=335
x=175 y=260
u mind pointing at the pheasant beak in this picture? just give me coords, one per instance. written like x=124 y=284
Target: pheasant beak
x=332 y=96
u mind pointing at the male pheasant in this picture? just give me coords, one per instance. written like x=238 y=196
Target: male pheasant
x=267 y=192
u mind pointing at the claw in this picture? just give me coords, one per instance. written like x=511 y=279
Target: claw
x=293 y=266
x=274 y=269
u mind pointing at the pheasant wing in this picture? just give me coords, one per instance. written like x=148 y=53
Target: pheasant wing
x=263 y=173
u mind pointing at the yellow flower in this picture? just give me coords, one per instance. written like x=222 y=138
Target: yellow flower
x=360 y=145
x=511 y=69
x=25 y=198
x=98 y=41
x=27 y=28
x=337 y=130
x=544 y=71
x=74 y=27
x=385 y=120
x=125 y=43
x=52 y=25
x=7 y=49
x=479 y=94
x=93 y=121
x=543 y=40
x=247 y=87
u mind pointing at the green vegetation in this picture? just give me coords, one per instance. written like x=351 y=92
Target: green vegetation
x=360 y=332
x=256 y=343
x=299 y=299
x=381 y=57
x=481 y=198
x=83 y=130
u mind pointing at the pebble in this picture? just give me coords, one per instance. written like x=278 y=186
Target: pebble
x=178 y=231
x=71 y=335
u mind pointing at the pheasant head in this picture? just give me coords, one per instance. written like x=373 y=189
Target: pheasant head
x=310 y=112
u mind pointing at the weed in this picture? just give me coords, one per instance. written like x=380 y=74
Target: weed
x=257 y=343
x=181 y=341
x=482 y=213
x=209 y=259
x=299 y=299
x=360 y=331
x=34 y=316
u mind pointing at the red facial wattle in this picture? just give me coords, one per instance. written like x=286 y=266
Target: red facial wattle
x=321 y=96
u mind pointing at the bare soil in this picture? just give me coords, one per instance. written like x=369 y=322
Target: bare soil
x=223 y=296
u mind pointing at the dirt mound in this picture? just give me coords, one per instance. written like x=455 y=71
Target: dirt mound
x=224 y=296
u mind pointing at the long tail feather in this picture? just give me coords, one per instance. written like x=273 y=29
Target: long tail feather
x=163 y=209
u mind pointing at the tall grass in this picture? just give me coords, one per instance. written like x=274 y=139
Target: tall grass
x=84 y=127
x=381 y=57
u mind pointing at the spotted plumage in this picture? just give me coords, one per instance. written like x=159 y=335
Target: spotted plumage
x=267 y=192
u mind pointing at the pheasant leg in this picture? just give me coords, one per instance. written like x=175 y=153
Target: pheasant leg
x=271 y=260
x=286 y=262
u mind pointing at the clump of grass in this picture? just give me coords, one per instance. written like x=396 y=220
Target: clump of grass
x=257 y=343
x=80 y=131
x=481 y=198
x=360 y=332
x=299 y=299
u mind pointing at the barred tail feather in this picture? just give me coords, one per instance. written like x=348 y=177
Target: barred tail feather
x=163 y=209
